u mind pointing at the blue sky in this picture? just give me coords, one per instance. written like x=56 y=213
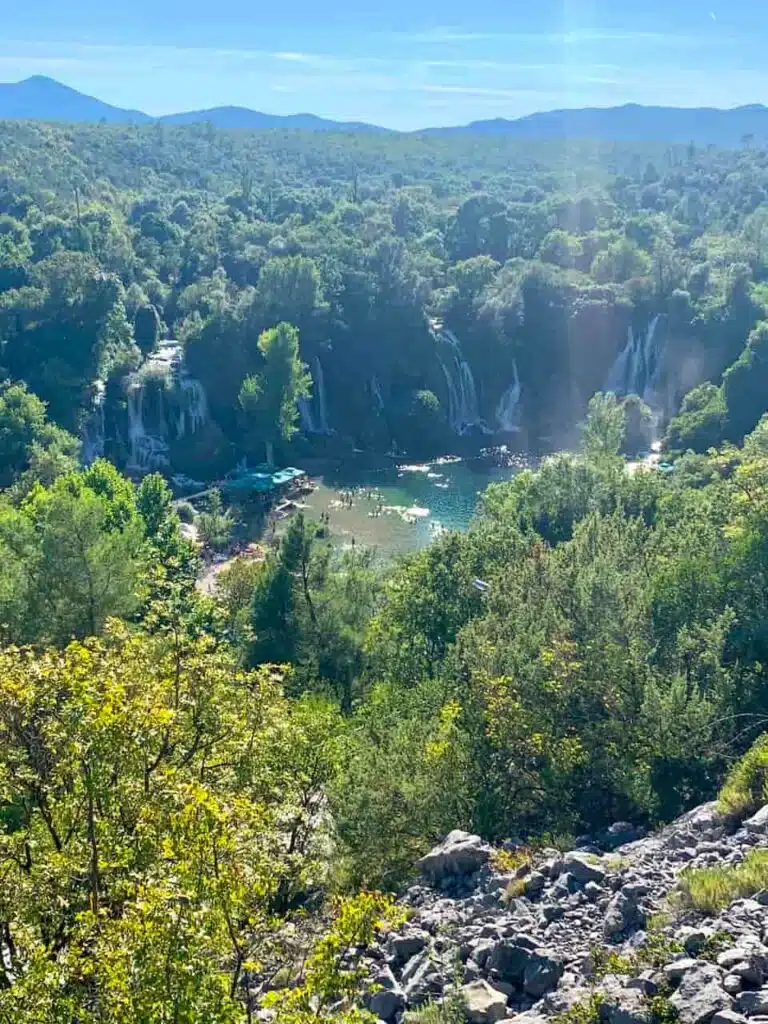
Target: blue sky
x=403 y=63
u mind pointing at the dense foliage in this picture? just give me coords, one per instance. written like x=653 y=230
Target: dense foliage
x=540 y=258
x=186 y=777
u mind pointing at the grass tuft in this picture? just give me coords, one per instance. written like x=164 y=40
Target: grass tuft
x=712 y=889
x=746 y=787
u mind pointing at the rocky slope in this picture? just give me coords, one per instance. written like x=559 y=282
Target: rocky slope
x=535 y=943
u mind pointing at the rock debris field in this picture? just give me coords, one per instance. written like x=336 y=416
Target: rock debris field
x=535 y=943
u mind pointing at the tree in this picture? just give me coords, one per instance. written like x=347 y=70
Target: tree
x=215 y=525
x=638 y=424
x=146 y=328
x=156 y=804
x=28 y=442
x=603 y=432
x=268 y=400
x=78 y=548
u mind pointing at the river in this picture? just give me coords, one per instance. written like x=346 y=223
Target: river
x=402 y=508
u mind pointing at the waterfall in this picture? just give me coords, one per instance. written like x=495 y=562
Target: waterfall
x=508 y=409
x=94 y=433
x=463 y=408
x=376 y=395
x=193 y=406
x=637 y=368
x=314 y=412
x=147 y=451
x=322 y=407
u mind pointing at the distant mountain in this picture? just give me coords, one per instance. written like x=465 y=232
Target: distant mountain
x=242 y=117
x=631 y=123
x=44 y=99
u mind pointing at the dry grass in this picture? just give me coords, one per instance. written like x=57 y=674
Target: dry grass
x=711 y=889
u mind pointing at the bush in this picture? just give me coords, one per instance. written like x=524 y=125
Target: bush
x=185 y=511
x=746 y=788
x=712 y=889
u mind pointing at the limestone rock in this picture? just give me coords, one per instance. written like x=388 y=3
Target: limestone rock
x=542 y=973
x=583 y=867
x=701 y=995
x=460 y=853
x=484 y=1003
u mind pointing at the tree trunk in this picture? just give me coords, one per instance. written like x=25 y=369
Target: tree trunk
x=270 y=454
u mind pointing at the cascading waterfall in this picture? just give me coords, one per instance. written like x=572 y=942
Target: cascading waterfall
x=508 y=409
x=193 y=406
x=463 y=408
x=313 y=412
x=637 y=368
x=94 y=433
x=147 y=451
x=376 y=395
x=180 y=409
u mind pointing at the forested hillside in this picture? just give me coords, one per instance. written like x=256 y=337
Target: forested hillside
x=439 y=287
x=203 y=793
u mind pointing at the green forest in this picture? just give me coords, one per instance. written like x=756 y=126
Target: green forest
x=190 y=780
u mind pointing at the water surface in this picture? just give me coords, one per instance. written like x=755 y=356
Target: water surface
x=402 y=508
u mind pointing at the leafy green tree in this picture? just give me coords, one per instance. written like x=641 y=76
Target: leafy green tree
x=268 y=401
x=604 y=430
x=29 y=443
x=215 y=524
x=143 y=738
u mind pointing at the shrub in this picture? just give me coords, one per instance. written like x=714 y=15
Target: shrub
x=711 y=889
x=746 y=787
x=450 y=1011
x=185 y=511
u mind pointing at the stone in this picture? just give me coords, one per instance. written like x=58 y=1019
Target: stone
x=460 y=853
x=593 y=891
x=621 y=1005
x=758 y=823
x=508 y=960
x=700 y=995
x=552 y=912
x=483 y=1003
x=389 y=1000
x=535 y=883
x=424 y=983
x=674 y=972
x=732 y=984
x=752 y=1003
x=728 y=1017
x=583 y=867
x=623 y=914
x=542 y=973
x=403 y=947
x=620 y=833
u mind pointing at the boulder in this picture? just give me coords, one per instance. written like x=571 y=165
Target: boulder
x=583 y=867
x=758 y=823
x=403 y=947
x=728 y=1017
x=542 y=973
x=460 y=853
x=675 y=971
x=389 y=1000
x=622 y=915
x=620 y=1005
x=701 y=995
x=483 y=1003
x=509 y=958
x=753 y=1004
